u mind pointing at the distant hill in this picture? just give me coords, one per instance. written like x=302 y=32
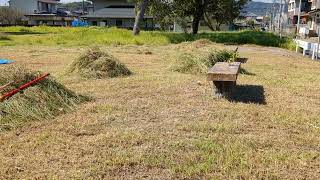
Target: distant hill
x=258 y=8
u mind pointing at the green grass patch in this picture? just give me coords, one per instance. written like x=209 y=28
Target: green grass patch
x=246 y=37
x=66 y=36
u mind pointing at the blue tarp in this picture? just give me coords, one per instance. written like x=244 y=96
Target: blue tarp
x=4 y=61
x=79 y=23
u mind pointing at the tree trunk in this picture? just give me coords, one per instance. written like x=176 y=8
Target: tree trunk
x=208 y=22
x=195 y=25
x=139 y=17
x=197 y=16
x=218 y=26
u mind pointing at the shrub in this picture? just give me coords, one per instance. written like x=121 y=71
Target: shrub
x=199 y=64
x=10 y=16
x=44 y=100
x=222 y=56
x=95 y=63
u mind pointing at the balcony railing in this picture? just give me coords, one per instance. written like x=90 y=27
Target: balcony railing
x=315 y=5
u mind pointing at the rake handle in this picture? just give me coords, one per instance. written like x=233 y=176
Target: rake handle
x=28 y=84
x=6 y=85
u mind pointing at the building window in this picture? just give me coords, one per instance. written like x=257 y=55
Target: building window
x=119 y=23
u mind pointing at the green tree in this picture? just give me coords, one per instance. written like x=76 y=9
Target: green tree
x=191 y=8
x=214 y=12
x=166 y=11
x=223 y=12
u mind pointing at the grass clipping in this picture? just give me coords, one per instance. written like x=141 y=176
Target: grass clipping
x=95 y=63
x=44 y=100
x=200 y=62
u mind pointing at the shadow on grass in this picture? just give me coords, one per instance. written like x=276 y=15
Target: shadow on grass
x=233 y=37
x=242 y=60
x=245 y=72
x=23 y=33
x=5 y=38
x=248 y=94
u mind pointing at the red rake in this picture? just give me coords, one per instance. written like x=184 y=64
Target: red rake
x=15 y=91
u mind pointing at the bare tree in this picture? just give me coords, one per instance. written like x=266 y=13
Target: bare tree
x=10 y=16
x=140 y=15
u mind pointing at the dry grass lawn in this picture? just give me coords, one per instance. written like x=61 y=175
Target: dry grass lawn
x=159 y=124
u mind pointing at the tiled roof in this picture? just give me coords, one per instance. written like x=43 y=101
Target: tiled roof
x=114 y=13
x=50 y=1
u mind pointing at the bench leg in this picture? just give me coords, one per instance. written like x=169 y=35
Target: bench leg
x=223 y=88
x=304 y=52
x=313 y=53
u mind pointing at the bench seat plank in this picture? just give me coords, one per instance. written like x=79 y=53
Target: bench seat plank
x=223 y=71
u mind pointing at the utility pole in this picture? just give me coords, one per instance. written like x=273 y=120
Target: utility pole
x=270 y=22
x=299 y=16
x=274 y=12
x=280 y=19
x=298 y=24
x=83 y=6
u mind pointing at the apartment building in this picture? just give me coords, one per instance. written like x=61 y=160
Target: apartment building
x=309 y=14
x=34 y=6
x=293 y=11
x=315 y=15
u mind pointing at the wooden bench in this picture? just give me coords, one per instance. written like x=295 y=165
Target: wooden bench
x=224 y=76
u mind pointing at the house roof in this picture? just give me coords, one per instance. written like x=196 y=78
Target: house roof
x=250 y=14
x=49 y=1
x=114 y=13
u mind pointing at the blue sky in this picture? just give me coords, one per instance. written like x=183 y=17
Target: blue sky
x=2 y=2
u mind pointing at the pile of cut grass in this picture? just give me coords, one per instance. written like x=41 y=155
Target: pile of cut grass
x=95 y=63
x=44 y=100
x=201 y=43
x=198 y=63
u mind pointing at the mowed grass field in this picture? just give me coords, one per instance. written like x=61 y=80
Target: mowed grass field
x=161 y=124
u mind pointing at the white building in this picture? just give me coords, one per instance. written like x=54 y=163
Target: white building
x=34 y=6
x=40 y=12
x=119 y=13
x=315 y=15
